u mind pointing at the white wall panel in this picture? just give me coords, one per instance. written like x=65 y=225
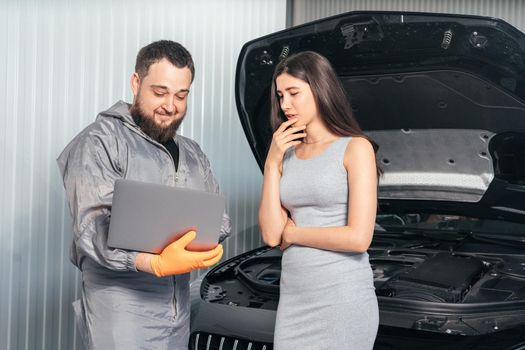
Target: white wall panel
x=512 y=11
x=63 y=61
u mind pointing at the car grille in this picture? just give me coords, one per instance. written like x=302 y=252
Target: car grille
x=208 y=341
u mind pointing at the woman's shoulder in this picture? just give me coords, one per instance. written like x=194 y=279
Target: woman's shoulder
x=358 y=142
x=358 y=149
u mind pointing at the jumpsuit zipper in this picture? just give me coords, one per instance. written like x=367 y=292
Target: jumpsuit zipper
x=173 y=281
x=176 y=180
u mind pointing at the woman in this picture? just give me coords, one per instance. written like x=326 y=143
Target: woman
x=318 y=203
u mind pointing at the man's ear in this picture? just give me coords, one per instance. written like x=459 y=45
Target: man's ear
x=135 y=84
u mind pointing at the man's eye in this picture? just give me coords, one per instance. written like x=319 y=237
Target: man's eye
x=158 y=94
x=181 y=97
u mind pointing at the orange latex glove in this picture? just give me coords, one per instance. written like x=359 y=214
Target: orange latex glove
x=175 y=259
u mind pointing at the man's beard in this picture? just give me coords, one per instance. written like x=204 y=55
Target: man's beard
x=148 y=125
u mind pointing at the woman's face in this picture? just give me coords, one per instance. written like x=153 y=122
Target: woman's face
x=296 y=99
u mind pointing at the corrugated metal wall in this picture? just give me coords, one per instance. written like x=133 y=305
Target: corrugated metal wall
x=61 y=62
x=512 y=11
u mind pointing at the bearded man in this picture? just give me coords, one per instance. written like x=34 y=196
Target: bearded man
x=130 y=299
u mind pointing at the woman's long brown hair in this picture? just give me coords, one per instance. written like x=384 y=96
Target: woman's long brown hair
x=329 y=94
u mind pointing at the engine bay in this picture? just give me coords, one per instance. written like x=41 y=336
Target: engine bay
x=440 y=281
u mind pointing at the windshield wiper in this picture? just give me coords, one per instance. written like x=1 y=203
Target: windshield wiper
x=432 y=233
x=500 y=239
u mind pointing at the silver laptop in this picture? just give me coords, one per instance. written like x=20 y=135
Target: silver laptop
x=146 y=217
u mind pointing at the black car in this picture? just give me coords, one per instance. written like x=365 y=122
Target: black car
x=444 y=98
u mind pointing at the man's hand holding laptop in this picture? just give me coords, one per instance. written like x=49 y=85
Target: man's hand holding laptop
x=166 y=226
x=176 y=259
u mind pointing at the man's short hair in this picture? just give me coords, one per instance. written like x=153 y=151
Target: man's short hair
x=174 y=52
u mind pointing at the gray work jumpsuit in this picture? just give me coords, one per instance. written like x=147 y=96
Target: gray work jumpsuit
x=121 y=308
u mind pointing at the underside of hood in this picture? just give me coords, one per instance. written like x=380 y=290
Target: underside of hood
x=442 y=95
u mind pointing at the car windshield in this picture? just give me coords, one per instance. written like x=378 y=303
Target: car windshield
x=445 y=222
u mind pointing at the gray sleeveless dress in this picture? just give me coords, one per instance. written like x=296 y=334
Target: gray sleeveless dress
x=327 y=299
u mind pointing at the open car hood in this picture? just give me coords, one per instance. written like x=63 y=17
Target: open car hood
x=442 y=95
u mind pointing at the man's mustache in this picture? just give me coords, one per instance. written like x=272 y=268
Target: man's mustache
x=169 y=114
